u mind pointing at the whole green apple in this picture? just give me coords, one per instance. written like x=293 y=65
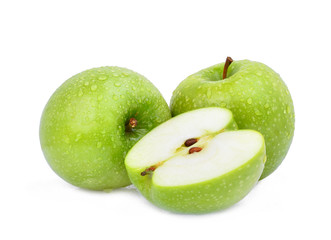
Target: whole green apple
x=93 y=119
x=256 y=95
x=197 y=162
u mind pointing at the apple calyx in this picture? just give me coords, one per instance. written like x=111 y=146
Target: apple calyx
x=228 y=61
x=131 y=125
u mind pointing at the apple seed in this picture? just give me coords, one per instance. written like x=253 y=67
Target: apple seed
x=194 y=149
x=189 y=142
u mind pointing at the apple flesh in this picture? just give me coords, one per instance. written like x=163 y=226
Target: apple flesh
x=257 y=96
x=93 y=119
x=197 y=162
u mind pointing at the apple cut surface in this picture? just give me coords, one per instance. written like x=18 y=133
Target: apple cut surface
x=197 y=162
x=225 y=152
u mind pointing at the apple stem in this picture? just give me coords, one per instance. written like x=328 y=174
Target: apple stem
x=228 y=61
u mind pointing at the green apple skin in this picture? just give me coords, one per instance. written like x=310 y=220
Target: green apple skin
x=221 y=192
x=257 y=96
x=203 y=197
x=83 y=126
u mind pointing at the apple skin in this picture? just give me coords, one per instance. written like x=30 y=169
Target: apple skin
x=257 y=96
x=221 y=192
x=83 y=126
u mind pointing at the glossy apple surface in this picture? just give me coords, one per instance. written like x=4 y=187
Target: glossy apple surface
x=257 y=96
x=85 y=130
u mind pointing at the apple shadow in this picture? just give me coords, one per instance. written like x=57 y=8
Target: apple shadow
x=133 y=191
x=128 y=189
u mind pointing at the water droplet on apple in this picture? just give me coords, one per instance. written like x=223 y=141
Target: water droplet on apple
x=100 y=97
x=117 y=84
x=99 y=144
x=288 y=109
x=257 y=112
x=288 y=135
x=94 y=87
x=102 y=77
x=80 y=93
x=86 y=83
x=249 y=101
x=266 y=105
x=115 y=97
x=78 y=136
x=208 y=93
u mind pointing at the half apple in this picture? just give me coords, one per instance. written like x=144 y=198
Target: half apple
x=197 y=162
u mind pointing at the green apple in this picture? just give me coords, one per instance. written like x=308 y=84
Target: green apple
x=256 y=95
x=197 y=162
x=93 y=119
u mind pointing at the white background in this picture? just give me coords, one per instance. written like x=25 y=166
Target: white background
x=43 y=43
